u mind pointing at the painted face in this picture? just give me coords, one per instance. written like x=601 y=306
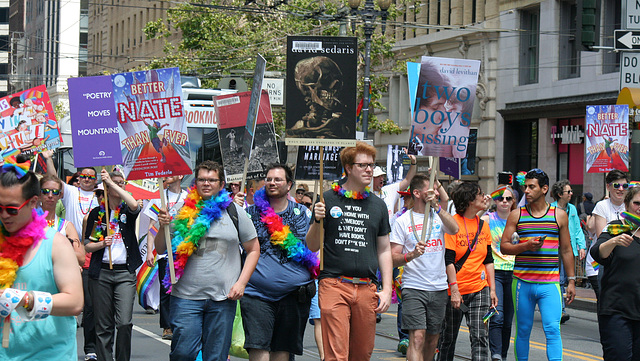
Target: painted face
x=276 y=185
x=208 y=183
x=12 y=197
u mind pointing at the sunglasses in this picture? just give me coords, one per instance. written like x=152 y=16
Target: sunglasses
x=86 y=176
x=618 y=185
x=508 y=199
x=46 y=191
x=307 y=204
x=300 y=191
x=13 y=210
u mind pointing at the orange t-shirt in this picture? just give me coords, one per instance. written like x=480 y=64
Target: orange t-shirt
x=473 y=275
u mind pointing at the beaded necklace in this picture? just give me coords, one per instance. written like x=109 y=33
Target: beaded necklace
x=80 y=202
x=351 y=194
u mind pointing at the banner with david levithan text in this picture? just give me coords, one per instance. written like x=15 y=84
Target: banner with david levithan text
x=444 y=103
x=607 y=138
x=94 y=127
x=151 y=124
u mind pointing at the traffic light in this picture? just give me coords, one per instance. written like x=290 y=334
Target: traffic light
x=588 y=24
x=505 y=178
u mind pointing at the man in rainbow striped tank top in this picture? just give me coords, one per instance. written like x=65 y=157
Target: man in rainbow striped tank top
x=543 y=236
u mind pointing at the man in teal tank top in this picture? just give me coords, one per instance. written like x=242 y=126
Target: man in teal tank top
x=46 y=292
x=543 y=236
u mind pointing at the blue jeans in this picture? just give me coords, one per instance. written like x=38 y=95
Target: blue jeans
x=620 y=337
x=500 y=323
x=201 y=325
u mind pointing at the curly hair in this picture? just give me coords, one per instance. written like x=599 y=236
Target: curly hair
x=557 y=190
x=464 y=194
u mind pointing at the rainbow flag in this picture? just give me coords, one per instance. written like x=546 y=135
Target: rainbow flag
x=153 y=231
x=634 y=184
x=146 y=279
x=155 y=209
x=498 y=193
x=595 y=265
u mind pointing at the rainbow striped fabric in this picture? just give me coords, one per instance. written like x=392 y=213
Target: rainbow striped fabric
x=155 y=209
x=539 y=266
x=144 y=280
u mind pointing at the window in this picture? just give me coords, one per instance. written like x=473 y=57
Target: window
x=569 y=52
x=529 y=45
x=611 y=19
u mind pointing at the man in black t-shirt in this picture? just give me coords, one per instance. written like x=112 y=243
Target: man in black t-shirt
x=356 y=244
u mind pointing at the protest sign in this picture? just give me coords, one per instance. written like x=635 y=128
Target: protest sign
x=254 y=103
x=607 y=138
x=444 y=103
x=450 y=167
x=398 y=164
x=94 y=125
x=151 y=124
x=321 y=90
x=28 y=122
x=231 y=112
x=308 y=163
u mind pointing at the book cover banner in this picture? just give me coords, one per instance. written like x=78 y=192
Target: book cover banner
x=28 y=122
x=308 y=163
x=444 y=104
x=607 y=138
x=151 y=123
x=398 y=163
x=231 y=112
x=321 y=90
x=94 y=125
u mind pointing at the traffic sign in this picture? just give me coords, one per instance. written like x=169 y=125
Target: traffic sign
x=630 y=70
x=631 y=15
x=627 y=40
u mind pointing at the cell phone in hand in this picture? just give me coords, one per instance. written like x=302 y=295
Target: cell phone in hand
x=542 y=239
x=464 y=308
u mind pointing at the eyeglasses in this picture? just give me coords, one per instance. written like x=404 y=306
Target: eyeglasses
x=207 y=180
x=618 y=185
x=234 y=185
x=307 y=204
x=300 y=191
x=364 y=166
x=46 y=191
x=508 y=199
x=274 y=180
x=120 y=183
x=569 y=191
x=86 y=176
x=13 y=210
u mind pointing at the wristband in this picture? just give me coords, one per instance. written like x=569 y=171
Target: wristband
x=42 y=304
x=405 y=258
x=439 y=209
x=316 y=220
x=572 y=278
x=9 y=300
x=453 y=284
x=414 y=163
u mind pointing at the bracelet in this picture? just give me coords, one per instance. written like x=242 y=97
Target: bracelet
x=405 y=258
x=9 y=300
x=572 y=278
x=316 y=220
x=439 y=209
x=42 y=304
x=414 y=163
x=453 y=283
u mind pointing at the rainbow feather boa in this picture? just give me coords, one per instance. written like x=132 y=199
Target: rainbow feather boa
x=13 y=248
x=351 y=194
x=191 y=224
x=282 y=237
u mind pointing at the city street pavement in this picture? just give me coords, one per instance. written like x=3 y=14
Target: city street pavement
x=579 y=335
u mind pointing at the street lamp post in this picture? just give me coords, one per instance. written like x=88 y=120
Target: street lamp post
x=368 y=15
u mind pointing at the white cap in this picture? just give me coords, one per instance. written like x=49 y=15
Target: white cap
x=377 y=171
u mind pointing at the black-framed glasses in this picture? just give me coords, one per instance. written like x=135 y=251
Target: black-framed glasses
x=13 y=210
x=274 y=180
x=508 y=199
x=207 y=180
x=364 y=166
x=120 y=183
x=618 y=185
x=46 y=191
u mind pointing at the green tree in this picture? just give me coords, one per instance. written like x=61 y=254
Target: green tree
x=220 y=39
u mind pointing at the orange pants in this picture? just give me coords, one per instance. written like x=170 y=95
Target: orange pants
x=348 y=320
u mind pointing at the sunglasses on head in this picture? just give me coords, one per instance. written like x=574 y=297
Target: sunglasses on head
x=13 y=210
x=46 y=191
x=508 y=199
x=618 y=185
x=86 y=176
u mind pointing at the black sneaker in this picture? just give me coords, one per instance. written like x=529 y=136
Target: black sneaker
x=565 y=317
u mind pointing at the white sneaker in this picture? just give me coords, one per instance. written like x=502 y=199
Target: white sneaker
x=91 y=357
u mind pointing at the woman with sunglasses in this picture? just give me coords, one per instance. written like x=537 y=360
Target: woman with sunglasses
x=500 y=323
x=51 y=192
x=608 y=210
x=618 y=250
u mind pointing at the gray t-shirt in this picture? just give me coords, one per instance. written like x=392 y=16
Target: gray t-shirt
x=215 y=266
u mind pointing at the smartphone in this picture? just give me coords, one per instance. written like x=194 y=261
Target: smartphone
x=464 y=308
x=542 y=239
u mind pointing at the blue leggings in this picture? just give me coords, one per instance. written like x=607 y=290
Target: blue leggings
x=549 y=300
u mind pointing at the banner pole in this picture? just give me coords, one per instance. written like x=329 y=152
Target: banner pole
x=108 y=220
x=244 y=174
x=427 y=210
x=321 y=180
x=167 y=233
